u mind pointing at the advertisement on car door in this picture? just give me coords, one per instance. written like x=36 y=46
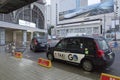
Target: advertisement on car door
x=72 y=57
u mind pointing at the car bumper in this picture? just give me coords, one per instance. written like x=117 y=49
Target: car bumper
x=104 y=63
x=41 y=47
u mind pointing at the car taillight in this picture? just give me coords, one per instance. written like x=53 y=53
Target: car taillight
x=100 y=53
x=35 y=42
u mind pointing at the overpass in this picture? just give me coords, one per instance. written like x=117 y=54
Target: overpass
x=7 y=6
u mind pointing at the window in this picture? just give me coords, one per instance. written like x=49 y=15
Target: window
x=74 y=45
x=103 y=44
x=89 y=30
x=82 y=30
x=61 y=45
x=96 y=30
x=89 y=45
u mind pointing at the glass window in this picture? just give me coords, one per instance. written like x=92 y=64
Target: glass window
x=74 y=45
x=89 y=30
x=76 y=30
x=82 y=30
x=61 y=44
x=103 y=44
x=96 y=30
x=89 y=46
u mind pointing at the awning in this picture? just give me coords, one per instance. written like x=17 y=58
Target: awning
x=7 y=25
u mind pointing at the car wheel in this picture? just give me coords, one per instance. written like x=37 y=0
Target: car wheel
x=50 y=57
x=87 y=65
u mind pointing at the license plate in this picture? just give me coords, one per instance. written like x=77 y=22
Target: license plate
x=110 y=56
x=42 y=45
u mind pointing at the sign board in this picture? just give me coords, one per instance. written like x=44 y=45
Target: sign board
x=27 y=23
x=108 y=77
x=18 y=55
x=44 y=62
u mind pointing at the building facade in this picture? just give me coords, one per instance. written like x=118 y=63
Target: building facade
x=82 y=18
x=21 y=25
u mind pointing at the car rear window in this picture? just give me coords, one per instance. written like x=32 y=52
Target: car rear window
x=103 y=44
x=41 y=40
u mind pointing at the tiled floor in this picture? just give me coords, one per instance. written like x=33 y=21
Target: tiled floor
x=12 y=68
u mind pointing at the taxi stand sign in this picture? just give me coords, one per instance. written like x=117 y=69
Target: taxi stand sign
x=105 y=76
x=44 y=62
x=18 y=54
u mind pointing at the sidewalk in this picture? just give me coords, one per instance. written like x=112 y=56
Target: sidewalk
x=12 y=68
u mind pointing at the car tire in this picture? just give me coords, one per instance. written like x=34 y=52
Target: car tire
x=50 y=57
x=87 y=65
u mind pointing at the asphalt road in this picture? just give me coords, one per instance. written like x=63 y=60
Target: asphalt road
x=95 y=75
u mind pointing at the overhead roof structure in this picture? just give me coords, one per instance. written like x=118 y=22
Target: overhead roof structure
x=7 y=6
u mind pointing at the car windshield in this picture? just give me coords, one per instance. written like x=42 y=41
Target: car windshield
x=41 y=40
x=103 y=44
x=109 y=39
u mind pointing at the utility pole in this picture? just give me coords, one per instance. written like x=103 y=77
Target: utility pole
x=104 y=25
x=115 y=16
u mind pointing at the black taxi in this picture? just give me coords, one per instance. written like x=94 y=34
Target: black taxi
x=88 y=51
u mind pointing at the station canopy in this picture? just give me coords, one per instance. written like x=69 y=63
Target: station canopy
x=7 y=6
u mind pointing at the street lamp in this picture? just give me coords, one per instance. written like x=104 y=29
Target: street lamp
x=104 y=25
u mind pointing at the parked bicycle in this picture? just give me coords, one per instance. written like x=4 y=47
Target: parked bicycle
x=10 y=48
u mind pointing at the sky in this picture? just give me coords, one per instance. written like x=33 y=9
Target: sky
x=90 y=2
x=48 y=1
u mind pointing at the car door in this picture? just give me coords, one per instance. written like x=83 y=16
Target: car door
x=89 y=47
x=59 y=50
x=74 y=51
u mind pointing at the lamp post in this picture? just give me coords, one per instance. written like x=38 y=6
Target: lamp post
x=104 y=25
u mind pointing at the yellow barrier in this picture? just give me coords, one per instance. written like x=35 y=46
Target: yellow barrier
x=105 y=76
x=18 y=55
x=44 y=62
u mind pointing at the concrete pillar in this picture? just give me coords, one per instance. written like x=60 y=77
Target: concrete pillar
x=24 y=38
x=14 y=36
x=2 y=36
x=31 y=35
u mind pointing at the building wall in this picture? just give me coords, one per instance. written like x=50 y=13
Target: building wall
x=53 y=12
x=19 y=37
x=86 y=27
x=8 y=36
x=118 y=2
x=72 y=24
x=12 y=28
x=2 y=36
x=33 y=13
x=83 y=3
